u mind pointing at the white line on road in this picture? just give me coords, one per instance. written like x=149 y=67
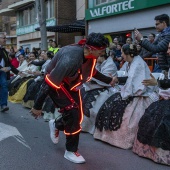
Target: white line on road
x=7 y=131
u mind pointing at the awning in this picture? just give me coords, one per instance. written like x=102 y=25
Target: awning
x=77 y=26
x=20 y=4
x=7 y=12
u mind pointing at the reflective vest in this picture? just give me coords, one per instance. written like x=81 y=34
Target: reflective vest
x=55 y=50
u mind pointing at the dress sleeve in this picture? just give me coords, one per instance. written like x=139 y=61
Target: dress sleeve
x=164 y=83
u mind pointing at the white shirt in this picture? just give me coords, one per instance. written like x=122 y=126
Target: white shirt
x=2 y=63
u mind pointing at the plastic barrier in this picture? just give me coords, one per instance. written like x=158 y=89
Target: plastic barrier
x=151 y=62
x=159 y=76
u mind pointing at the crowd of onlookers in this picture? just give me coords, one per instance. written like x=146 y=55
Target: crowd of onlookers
x=31 y=66
x=116 y=115
x=32 y=63
x=123 y=104
x=115 y=50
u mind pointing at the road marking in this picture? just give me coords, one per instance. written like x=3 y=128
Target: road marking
x=7 y=131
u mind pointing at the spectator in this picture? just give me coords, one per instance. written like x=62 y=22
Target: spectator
x=13 y=60
x=20 y=51
x=118 y=52
x=117 y=119
x=160 y=45
x=5 y=67
x=116 y=41
x=22 y=63
x=55 y=47
x=50 y=48
x=34 y=84
x=129 y=40
x=27 y=51
x=151 y=37
x=35 y=52
x=96 y=92
x=153 y=136
x=19 y=84
x=139 y=49
x=113 y=56
x=12 y=51
x=112 y=47
x=144 y=52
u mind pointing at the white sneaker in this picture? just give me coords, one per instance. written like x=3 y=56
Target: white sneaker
x=54 y=133
x=74 y=157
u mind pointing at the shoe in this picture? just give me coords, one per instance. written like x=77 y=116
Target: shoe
x=4 y=108
x=74 y=157
x=54 y=133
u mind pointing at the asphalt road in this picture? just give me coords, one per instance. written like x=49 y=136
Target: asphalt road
x=25 y=145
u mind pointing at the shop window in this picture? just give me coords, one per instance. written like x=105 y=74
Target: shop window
x=32 y=15
x=21 y=18
x=112 y=0
x=46 y=6
x=27 y=16
x=26 y=46
x=101 y=2
x=49 y=9
x=7 y=28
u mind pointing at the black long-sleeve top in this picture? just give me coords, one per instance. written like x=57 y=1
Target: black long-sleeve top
x=4 y=56
x=164 y=83
x=107 y=80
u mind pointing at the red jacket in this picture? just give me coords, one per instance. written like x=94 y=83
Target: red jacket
x=15 y=62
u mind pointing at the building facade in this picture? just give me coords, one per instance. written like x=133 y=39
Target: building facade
x=118 y=18
x=26 y=20
x=8 y=23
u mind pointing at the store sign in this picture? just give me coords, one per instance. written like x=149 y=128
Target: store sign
x=31 y=28
x=122 y=6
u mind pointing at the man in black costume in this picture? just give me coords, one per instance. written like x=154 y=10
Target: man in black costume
x=68 y=70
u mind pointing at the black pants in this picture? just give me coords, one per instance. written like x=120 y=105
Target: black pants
x=70 y=120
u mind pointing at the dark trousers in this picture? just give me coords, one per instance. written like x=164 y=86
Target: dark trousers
x=69 y=122
x=3 y=89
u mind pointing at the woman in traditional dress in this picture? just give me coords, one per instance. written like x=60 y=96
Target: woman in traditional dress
x=118 y=118
x=95 y=93
x=153 y=136
x=32 y=90
x=18 y=86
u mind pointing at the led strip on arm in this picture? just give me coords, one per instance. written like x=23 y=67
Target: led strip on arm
x=91 y=73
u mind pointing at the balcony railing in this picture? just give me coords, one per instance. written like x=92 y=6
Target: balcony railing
x=31 y=28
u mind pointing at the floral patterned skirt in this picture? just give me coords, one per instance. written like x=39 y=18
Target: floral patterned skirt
x=153 y=136
x=156 y=154
x=118 y=123
x=92 y=102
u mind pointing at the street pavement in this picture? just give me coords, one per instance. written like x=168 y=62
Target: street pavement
x=25 y=145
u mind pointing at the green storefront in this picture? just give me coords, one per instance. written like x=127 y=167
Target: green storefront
x=123 y=15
